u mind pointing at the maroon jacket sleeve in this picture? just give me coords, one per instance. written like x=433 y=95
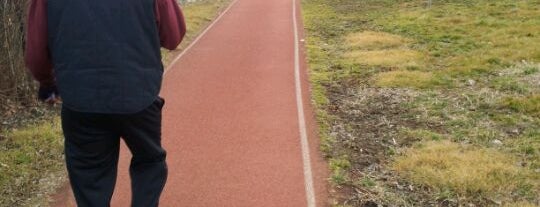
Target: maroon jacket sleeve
x=37 y=55
x=171 y=23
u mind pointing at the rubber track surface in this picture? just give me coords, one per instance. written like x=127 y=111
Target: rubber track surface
x=230 y=123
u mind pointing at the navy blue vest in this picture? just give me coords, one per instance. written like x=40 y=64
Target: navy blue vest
x=106 y=54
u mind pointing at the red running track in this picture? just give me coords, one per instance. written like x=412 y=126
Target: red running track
x=231 y=121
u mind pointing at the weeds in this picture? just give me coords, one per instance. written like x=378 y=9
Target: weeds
x=431 y=106
x=16 y=86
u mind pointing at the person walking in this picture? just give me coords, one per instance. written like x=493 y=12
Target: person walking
x=103 y=57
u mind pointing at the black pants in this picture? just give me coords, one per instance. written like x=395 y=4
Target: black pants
x=92 y=144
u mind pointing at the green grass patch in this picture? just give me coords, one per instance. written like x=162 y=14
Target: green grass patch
x=510 y=84
x=528 y=145
x=28 y=156
x=528 y=105
x=470 y=37
x=339 y=169
x=421 y=134
x=320 y=61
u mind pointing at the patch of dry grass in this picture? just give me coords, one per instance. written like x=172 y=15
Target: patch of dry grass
x=369 y=40
x=400 y=58
x=404 y=78
x=466 y=170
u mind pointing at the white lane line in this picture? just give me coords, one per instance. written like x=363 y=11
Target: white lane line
x=308 y=175
x=198 y=38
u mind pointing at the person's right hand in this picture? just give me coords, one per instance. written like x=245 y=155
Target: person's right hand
x=49 y=94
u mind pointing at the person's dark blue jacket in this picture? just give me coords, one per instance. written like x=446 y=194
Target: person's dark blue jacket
x=104 y=60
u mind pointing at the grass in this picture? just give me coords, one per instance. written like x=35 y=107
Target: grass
x=388 y=58
x=198 y=15
x=381 y=49
x=404 y=78
x=28 y=157
x=428 y=105
x=470 y=37
x=369 y=40
x=338 y=168
x=465 y=170
x=528 y=105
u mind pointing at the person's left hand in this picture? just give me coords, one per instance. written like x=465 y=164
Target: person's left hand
x=49 y=94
